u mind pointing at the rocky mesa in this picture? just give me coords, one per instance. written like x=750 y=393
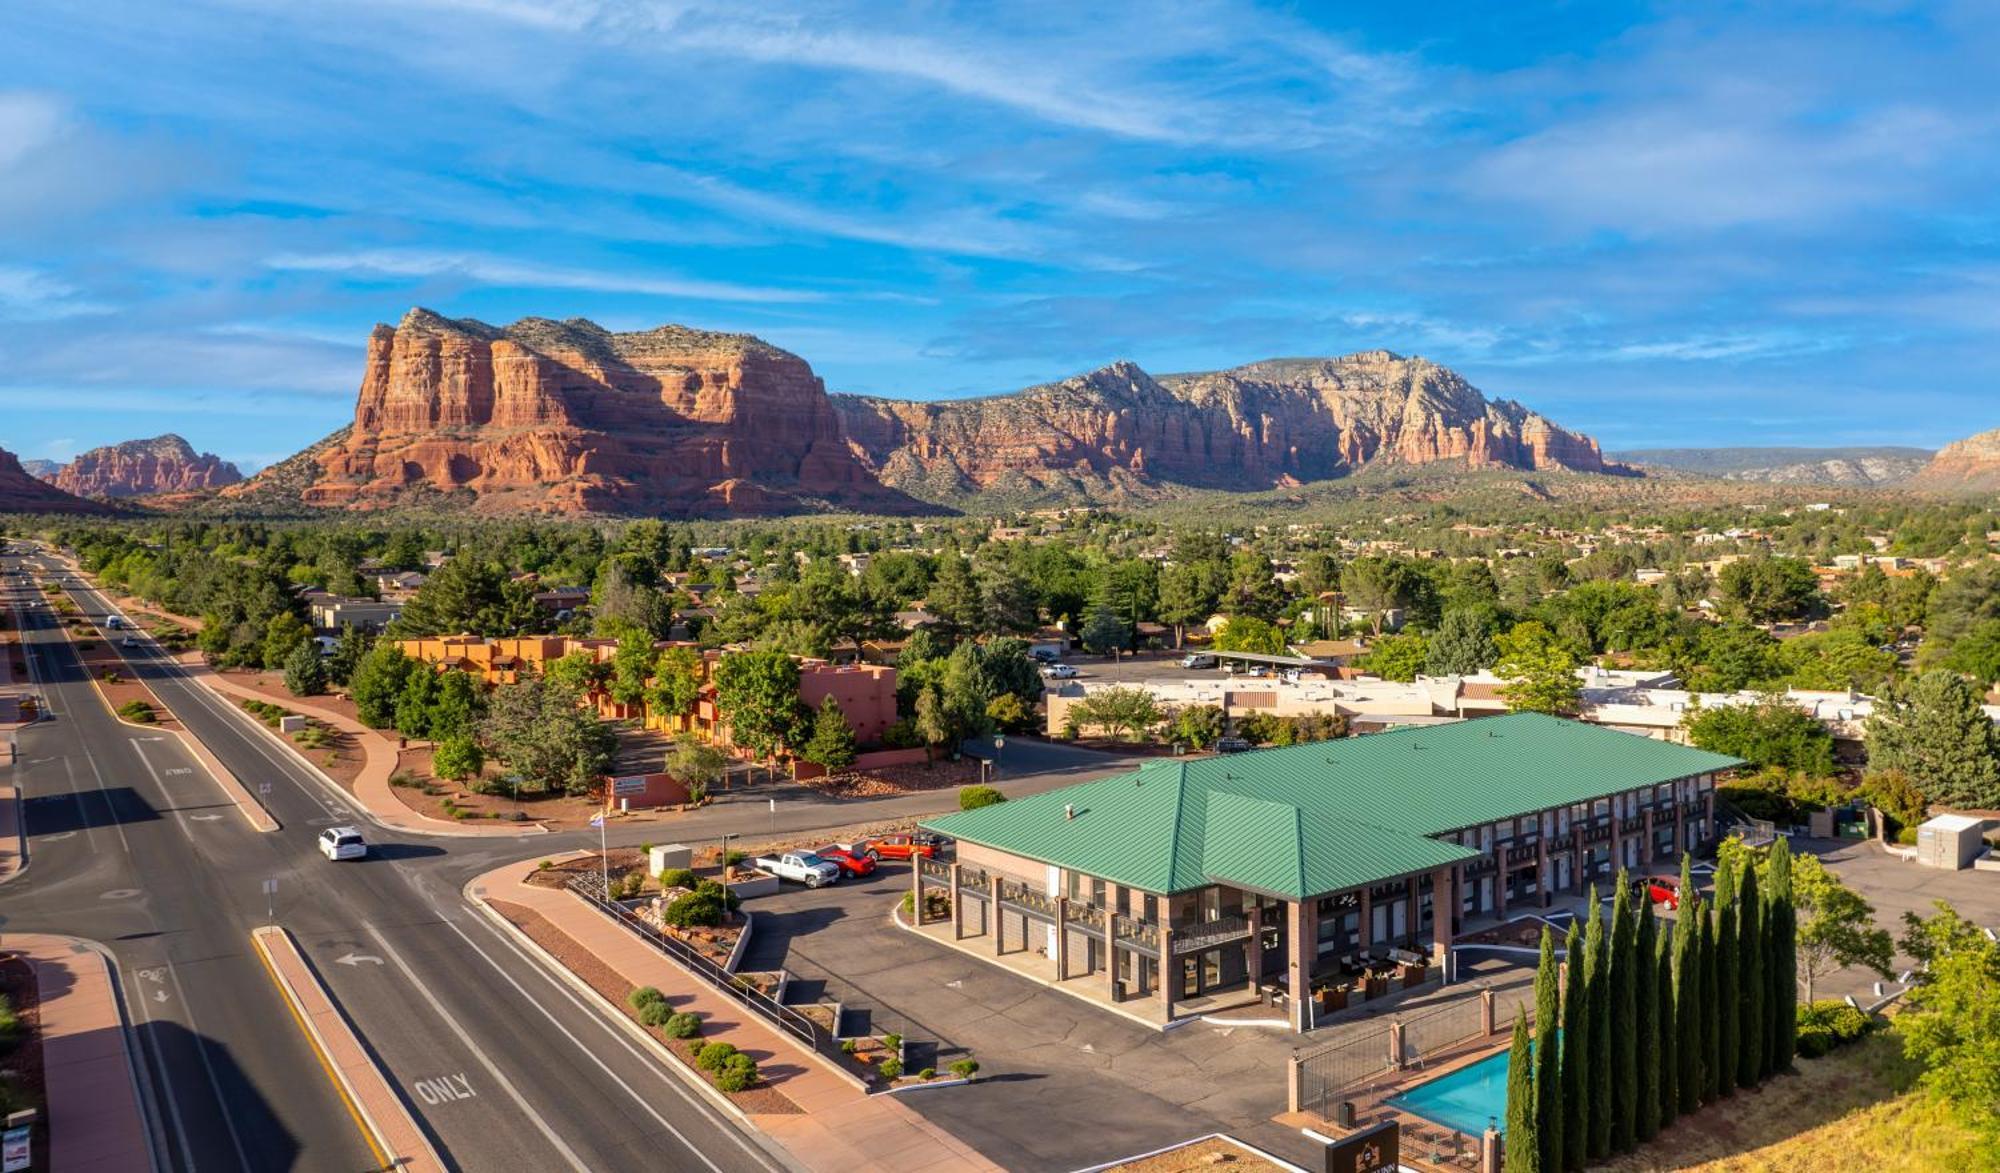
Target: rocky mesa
x=568 y=417
x=1971 y=465
x=23 y=493
x=144 y=468
x=1120 y=431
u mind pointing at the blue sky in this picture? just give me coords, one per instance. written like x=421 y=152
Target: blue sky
x=1677 y=224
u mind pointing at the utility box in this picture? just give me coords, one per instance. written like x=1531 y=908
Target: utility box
x=291 y=724
x=1951 y=842
x=672 y=855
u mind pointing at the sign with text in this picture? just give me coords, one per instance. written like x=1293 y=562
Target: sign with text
x=16 y=1149
x=1372 y=1150
x=633 y=784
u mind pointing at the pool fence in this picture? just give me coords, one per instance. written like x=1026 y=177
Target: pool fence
x=1374 y=1057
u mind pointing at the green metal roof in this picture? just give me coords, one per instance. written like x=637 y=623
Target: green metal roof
x=1311 y=819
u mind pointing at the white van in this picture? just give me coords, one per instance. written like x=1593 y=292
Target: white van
x=1197 y=660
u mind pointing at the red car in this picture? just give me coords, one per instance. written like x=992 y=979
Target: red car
x=901 y=846
x=850 y=862
x=1661 y=890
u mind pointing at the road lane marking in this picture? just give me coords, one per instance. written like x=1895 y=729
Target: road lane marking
x=485 y=1060
x=443 y=1089
x=166 y=1089
x=382 y=1160
x=671 y=1080
x=214 y=1084
x=352 y=960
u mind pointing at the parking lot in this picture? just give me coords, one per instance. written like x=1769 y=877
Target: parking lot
x=1895 y=886
x=1062 y=1085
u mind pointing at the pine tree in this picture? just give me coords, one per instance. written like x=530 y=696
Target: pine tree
x=1687 y=997
x=305 y=671
x=1623 y=1014
x=1754 y=1033
x=1597 y=958
x=1781 y=963
x=1524 y=1153
x=1575 y=1053
x=1711 y=1017
x=1646 y=1025
x=1728 y=990
x=1548 y=1057
x=832 y=742
x=1670 y=1037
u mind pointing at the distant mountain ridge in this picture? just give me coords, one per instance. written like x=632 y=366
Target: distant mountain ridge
x=570 y=418
x=22 y=493
x=1971 y=465
x=1859 y=466
x=144 y=468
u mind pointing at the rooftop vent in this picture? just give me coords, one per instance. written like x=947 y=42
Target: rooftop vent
x=1069 y=810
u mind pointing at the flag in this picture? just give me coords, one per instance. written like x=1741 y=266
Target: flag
x=597 y=820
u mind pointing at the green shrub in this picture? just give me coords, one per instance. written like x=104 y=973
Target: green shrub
x=1830 y=1023
x=683 y=1026
x=965 y=1068
x=971 y=798
x=847 y=1046
x=713 y=1056
x=738 y=1074
x=734 y=858
x=927 y=1073
x=1907 y=837
x=695 y=910
x=890 y=1068
x=138 y=712
x=677 y=878
x=545 y=865
x=404 y=779
x=893 y=1043
x=644 y=996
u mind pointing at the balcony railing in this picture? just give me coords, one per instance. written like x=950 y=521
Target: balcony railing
x=972 y=880
x=1087 y=916
x=1210 y=933
x=1631 y=824
x=1136 y=934
x=1520 y=855
x=1024 y=897
x=936 y=869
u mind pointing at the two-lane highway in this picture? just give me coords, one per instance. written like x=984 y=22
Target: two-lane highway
x=506 y=1067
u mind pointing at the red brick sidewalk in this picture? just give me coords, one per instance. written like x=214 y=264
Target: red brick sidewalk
x=95 y=1121
x=842 y=1127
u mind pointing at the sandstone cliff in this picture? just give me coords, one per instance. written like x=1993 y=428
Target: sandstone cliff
x=1971 y=465
x=140 y=468
x=22 y=493
x=1118 y=431
x=1858 y=466
x=567 y=417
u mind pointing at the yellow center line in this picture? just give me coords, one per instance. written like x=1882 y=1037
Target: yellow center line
x=382 y=1160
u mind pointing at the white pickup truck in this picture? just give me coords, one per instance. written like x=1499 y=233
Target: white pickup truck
x=798 y=866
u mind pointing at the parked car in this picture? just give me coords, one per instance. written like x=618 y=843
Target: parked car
x=903 y=846
x=1660 y=890
x=129 y=642
x=849 y=861
x=1058 y=671
x=1231 y=745
x=1258 y=670
x=1043 y=656
x=338 y=843
x=800 y=867
x=1197 y=660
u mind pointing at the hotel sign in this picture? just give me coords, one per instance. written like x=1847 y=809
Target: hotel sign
x=1372 y=1150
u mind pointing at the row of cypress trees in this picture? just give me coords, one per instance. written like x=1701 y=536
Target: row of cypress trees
x=1653 y=1023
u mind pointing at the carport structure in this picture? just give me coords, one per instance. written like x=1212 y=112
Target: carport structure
x=1341 y=868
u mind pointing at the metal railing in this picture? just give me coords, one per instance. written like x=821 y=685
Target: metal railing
x=934 y=868
x=1137 y=934
x=977 y=882
x=784 y=1017
x=1210 y=933
x=1368 y=1059
x=1023 y=897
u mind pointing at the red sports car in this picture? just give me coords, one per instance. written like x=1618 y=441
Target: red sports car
x=852 y=863
x=1660 y=889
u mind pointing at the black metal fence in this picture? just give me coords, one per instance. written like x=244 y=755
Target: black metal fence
x=784 y=1017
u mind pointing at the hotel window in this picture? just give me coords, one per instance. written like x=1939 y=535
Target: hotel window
x=1506 y=829
x=1149 y=909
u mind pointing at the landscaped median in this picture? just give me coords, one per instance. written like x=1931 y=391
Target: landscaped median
x=822 y=1115
x=391 y=1132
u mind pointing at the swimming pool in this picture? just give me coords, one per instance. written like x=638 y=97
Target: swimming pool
x=1464 y=1100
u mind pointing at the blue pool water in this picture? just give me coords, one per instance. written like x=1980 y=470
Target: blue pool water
x=1464 y=1100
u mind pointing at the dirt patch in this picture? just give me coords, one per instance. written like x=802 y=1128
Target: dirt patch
x=1212 y=1153
x=888 y=780
x=760 y=1100
x=114 y=677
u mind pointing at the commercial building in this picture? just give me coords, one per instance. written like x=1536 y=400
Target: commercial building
x=332 y=612
x=1308 y=868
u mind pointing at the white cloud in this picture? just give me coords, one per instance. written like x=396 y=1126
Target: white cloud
x=500 y=271
x=27 y=121
x=30 y=295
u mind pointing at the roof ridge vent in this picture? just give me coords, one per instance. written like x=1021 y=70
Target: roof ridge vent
x=1069 y=811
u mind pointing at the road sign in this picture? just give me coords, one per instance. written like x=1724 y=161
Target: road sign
x=16 y=1149
x=633 y=784
x=270 y=887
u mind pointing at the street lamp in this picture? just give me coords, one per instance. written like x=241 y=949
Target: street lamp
x=999 y=743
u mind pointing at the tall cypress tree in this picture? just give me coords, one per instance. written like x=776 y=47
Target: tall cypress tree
x=1548 y=1057
x=1755 y=1034
x=1670 y=1038
x=1782 y=962
x=1710 y=1040
x=1728 y=999
x=1623 y=1017
x=1687 y=1000
x=1522 y=1151
x=1597 y=954
x=1645 y=961
x=1575 y=1053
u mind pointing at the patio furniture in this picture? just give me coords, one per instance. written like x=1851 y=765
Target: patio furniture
x=1375 y=985
x=1332 y=998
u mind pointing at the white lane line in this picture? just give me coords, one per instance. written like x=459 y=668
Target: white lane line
x=180 y=820
x=117 y=824
x=215 y=1084
x=492 y=1068
x=668 y=1080
x=166 y=1083
x=76 y=796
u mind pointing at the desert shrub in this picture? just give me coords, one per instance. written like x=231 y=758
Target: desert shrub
x=965 y=1068
x=655 y=1014
x=927 y=1073
x=890 y=1068
x=403 y=779
x=893 y=1043
x=677 y=878
x=545 y=865
x=971 y=798
x=734 y=858
x=682 y=1026
x=737 y=1074
x=644 y=996
x=713 y=1056
x=702 y=908
x=1907 y=836
x=1827 y=1024
x=847 y=1046
x=138 y=712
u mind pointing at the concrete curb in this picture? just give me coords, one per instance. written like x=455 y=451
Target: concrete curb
x=397 y=1141
x=1224 y=1137
x=205 y=677
x=14 y=833
x=134 y=1073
